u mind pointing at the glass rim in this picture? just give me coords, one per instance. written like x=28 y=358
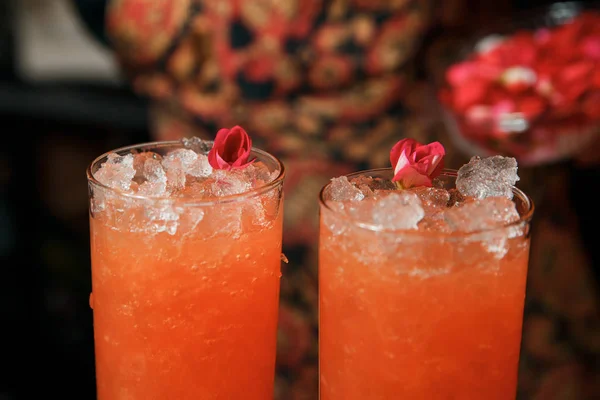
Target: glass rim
x=540 y=16
x=525 y=218
x=185 y=201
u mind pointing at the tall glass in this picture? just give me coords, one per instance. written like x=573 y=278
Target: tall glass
x=420 y=315
x=185 y=290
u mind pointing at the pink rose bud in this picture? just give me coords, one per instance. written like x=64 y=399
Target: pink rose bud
x=416 y=164
x=231 y=149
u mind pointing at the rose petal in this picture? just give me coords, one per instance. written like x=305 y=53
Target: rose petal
x=531 y=107
x=470 y=94
x=403 y=162
x=416 y=164
x=460 y=73
x=591 y=47
x=411 y=177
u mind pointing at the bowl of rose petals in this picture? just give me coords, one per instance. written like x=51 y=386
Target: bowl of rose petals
x=530 y=89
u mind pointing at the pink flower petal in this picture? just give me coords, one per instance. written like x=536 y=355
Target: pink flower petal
x=416 y=164
x=231 y=149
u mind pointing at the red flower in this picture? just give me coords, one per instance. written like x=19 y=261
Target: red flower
x=464 y=72
x=591 y=47
x=519 y=50
x=416 y=164
x=573 y=81
x=531 y=106
x=231 y=149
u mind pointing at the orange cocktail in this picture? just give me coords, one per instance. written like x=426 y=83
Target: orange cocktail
x=185 y=275
x=429 y=310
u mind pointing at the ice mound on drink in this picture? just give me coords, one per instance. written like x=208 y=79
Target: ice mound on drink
x=165 y=188
x=481 y=199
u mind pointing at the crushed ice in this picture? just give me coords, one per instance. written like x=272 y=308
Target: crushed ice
x=180 y=173
x=398 y=210
x=117 y=172
x=340 y=189
x=488 y=177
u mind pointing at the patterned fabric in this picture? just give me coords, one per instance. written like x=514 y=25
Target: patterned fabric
x=329 y=86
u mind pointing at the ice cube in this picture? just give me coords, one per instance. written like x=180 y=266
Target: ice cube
x=364 y=184
x=254 y=209
x=224 y=219
x=117 y=172
x=333 y=218
x=176 y=164
x=398 y=210
x=200 y=168
x=180 y=158
x=175 y=179
x=162 y=218
x=197 y=189
x=259 y=173
x=340 y=189
x=433 y=199
x=488 y=177
x=228 y=183
x=190 y=217
x=489 y=213
x=139 y=160
x=155 y=183
x=261 y=209
x=153 y=171
x=369 y=185
x=152 y=189
x=196 y=144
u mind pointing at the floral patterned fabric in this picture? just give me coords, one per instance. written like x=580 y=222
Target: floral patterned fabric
x=329 y=86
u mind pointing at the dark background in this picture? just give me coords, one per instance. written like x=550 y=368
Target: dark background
x=51 y=133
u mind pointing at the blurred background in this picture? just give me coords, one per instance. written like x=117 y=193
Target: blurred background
x=62 y=103
x=64 y=100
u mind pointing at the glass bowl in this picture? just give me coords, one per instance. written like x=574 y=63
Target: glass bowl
x=528 y=87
